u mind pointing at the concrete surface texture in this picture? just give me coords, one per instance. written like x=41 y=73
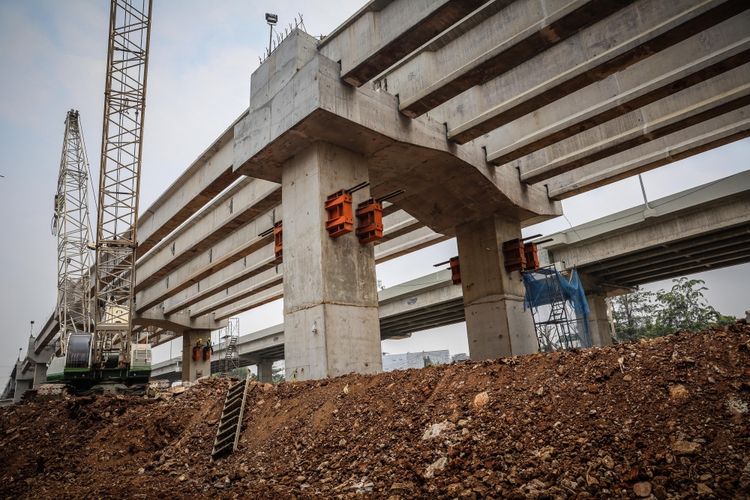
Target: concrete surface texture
x=330 y=297
x=496 y=321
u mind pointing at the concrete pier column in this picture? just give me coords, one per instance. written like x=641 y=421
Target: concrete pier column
x=24 y=382
x=496 y=322
x=265 y=371
x=331 y=324
x=193 y=370
x=21 y=387
x=40 y=374
x=599 y=325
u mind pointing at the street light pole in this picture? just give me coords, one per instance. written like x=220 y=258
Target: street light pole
x=271 y=19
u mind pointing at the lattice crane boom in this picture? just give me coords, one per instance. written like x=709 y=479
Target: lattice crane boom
x=70 y=223
x=119 y=178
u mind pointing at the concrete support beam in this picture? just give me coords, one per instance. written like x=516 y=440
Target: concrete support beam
x=265 y=371
x=193 y=370
x=710 y=134
x=178 y=322
x=223 y=217
x=701 y=102
x=270 y=295
x=699 y=58
x=493 y=40
x=599 y=324
x=330 y=295
x=385 y=31
x=260 y=283
x=233 y=248
x=40 y=374
x=266 y=262
x=402 y=245
x=210 y=174
x=624 y=38
x=496 y=322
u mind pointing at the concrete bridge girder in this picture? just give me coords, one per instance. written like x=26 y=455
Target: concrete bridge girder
x=491 y=41
x=712 y=133
x=699 y=228
x=254 y=198
x=622 y=39
x=385 y=31
x=176 y=323
x=687 y=63
x=680 y=110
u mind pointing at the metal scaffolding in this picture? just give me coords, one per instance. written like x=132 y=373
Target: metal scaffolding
x=71 y=225
x=559 y=309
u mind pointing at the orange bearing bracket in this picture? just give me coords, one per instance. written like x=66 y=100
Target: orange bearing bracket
x=369 y=221
x=340 y=220
x=455 y=270
x=514 y=255
x=532 y=256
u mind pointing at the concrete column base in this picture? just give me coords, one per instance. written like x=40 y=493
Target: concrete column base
x=331 y=340
x=265 y=371
x=22 y=385
x=599 y=326
x=499 y=327
x=496 y=322
x=193 y=370
x=40 y=374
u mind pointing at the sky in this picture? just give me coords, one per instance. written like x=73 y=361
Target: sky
x=53 y=56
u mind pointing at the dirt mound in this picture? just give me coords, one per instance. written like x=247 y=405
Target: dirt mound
x=663 y=418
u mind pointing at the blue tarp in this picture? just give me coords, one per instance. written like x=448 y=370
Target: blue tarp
x=541 y=291
x=544 y=286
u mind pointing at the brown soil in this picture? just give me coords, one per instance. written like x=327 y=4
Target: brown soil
x=664 y=418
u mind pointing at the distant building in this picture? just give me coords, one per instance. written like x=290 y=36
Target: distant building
x=415 y=360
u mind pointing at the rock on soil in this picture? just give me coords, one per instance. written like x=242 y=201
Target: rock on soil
x=665 y=418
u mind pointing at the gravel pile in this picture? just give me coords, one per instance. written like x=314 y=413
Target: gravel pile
x=665 y=418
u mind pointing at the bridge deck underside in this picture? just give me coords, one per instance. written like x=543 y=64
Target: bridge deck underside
x=712 y=250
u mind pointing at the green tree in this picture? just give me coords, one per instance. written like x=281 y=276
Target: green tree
x=633 y=315
x=644 y=314
x=684 y=307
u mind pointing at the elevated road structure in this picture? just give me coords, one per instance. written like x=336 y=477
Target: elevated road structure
x=483 y=113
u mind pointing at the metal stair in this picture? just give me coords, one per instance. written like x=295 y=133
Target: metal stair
x=231 y=353
x=230 y=423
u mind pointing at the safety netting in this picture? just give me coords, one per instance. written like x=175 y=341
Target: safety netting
x=559 y=307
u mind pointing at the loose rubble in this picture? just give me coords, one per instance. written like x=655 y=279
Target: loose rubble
x=664 y=418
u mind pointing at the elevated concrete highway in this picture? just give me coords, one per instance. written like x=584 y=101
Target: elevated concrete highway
x=704 y=228
x=698 y=229
x=484 y=113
